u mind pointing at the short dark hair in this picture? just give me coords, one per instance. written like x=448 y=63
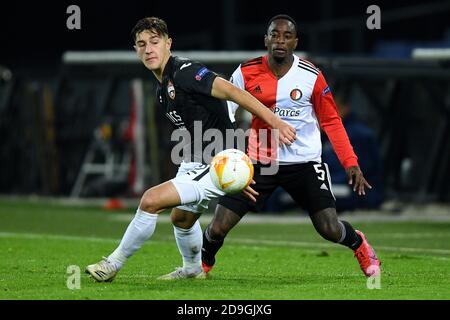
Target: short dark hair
x=150 y=23
x=283 y=17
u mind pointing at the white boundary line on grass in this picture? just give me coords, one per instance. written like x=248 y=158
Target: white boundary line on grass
x=301 y=219
x=55 y=237
x=244 y=241
x=326 y=245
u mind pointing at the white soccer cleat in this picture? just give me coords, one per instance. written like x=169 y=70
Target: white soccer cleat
x=102 y=271
x=181 y=273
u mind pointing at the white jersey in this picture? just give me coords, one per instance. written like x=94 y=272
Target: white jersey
x=301 y=98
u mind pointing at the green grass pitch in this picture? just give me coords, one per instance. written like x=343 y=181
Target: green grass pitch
x=39 y=241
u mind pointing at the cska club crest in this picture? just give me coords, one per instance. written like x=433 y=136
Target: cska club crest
x=171 y=90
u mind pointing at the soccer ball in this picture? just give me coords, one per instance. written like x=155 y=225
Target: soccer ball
x=231 y=171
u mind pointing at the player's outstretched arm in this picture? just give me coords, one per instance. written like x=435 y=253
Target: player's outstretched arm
x=223 y=89
x=356 y=178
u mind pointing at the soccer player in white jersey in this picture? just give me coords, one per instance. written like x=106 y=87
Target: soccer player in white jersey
x=297 y=92
x=188 y=93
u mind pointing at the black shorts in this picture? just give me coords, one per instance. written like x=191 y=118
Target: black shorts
x=308 y=184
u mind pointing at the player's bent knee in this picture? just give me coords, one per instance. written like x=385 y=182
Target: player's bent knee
x=330 y=231
x=217 y=231
x=177 y=220
x=327 y=225
x=150 y=202
x=184 y=221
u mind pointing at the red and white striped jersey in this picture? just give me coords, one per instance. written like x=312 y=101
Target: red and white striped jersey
x=303 y=99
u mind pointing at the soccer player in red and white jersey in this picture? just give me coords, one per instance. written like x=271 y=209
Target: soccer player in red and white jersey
x=297 y=92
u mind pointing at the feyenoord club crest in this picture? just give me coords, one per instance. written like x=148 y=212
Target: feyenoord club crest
x=296 y=94
x=171 y=90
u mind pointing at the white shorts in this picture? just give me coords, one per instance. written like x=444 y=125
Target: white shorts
x=195 y=187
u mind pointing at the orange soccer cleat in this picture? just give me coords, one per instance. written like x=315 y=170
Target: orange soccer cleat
x=206 y=268
x=367 y=258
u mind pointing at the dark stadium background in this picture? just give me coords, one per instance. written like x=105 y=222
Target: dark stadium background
x=35 y=31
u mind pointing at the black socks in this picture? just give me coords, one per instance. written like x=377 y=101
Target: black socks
x=350 y=239
x=210 y=248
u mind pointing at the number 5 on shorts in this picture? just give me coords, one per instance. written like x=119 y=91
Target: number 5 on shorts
x=320 y=172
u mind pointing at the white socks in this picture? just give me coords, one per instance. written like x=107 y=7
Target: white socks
x=139 y=230
x=189 y=242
